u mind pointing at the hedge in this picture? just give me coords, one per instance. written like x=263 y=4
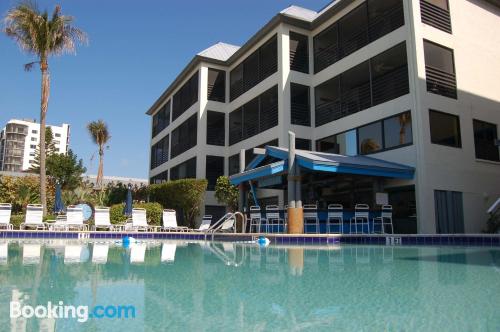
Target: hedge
x=185 y=196
x=154 y=213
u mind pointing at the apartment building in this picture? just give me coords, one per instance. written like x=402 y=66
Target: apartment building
x=19 y=140
x=412 y=82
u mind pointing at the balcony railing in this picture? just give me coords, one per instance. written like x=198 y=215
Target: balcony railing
x=435 y=16
x=391 y=85
x=389 y=21
x=441 y=82
x=300 y=114
x=299 y=61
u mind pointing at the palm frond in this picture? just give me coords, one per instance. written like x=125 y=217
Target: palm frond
x=29 y=66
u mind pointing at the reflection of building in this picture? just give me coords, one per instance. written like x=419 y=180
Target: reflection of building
x=20 y=139
x=397 y=80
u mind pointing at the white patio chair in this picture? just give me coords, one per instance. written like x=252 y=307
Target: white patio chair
x=137 y=252
x=31 y=253
x=361 y=217
x=335 y=218
x=34 y=217
x=170 y=222
x=100 y=253
x=384 y=220
x=102 y=219
x=168 y=252
x=74 y=218
x=206 y=221
x=228 y=225
x=139 y=221
x=59 y=224
x=4 y=253
x=255 y=219
x=5 y=213
x=273 y=218
x=73 y=254
x=311 y=217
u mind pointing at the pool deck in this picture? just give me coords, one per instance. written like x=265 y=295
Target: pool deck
x=487 y=240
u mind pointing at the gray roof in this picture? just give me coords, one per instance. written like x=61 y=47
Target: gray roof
x=300 y=13
x=220 y=51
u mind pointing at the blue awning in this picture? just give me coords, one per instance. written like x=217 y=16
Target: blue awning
x=322 y=162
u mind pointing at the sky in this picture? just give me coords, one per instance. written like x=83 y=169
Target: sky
x=136 y=49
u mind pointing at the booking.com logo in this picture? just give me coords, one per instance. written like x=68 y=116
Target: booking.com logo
x=82 y=313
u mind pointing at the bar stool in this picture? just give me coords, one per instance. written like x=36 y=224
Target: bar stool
x=361 y=217
x=335 y=217
x=311 y=214
x=255 y=219
x=385 y=219
x=273 y=217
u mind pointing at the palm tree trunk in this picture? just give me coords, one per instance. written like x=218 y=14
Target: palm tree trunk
x=43 y=112
x=100 y=170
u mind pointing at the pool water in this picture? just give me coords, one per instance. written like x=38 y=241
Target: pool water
x=180 y=286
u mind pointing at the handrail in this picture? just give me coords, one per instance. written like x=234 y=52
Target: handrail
x=219 y=223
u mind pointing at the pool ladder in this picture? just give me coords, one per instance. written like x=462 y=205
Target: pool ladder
x=227 y=222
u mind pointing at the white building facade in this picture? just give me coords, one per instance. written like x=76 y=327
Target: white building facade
x=19 y=140
x=407 y=81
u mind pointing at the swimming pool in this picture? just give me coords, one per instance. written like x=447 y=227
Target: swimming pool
x=178 y=285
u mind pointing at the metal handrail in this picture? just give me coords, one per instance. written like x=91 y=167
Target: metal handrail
x=219 y=223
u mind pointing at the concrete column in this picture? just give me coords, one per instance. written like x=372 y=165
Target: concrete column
x=241 y=202
x=295 y=213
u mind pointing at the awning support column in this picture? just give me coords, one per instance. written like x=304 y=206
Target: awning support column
x=295 y=211
x=241 y=201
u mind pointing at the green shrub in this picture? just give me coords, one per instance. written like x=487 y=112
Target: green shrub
x=153 y=213
x=16 y=220
x=184 y=196
x=226 y=193
x=116 y=214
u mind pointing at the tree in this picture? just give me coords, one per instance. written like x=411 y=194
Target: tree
x=50 y=149
x=43 y=37
x=65 y=169
x=100 y=135
x=226 y=193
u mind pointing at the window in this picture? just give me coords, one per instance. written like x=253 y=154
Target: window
x=34 y=131
x=254 y=69
x=159 y=152
x=184 y=136
x=398 y=130
x=32 y=154
x=256 y=116
x=303 y=144
x=185 y=170
x=445 y=129
x=33 y=139
x=326 y=48
x=370 y=138
x=185 y=97
x=436 y=14
x=352 y=30
x=160 y=178
x=215 y=128
x=343 y=143
x=299 y=52
x=214 y=169
x=216 y=85
x=234 y=164
x=382 y=78
x=384 y=17
x=161 y=119
x=300 y=105
x=485 y=138
x=440 y=70
x=32 y=146
x=57 y=135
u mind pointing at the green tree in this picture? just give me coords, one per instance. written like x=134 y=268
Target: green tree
x=50 y=149
x=66 y=169
x=42 y=36
x=226 y=193
x=100 y=135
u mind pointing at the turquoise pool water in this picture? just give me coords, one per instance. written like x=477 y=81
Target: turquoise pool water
x=180 y=286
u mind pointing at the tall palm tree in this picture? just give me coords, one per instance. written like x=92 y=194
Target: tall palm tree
x=100 y=135
x=42 y=36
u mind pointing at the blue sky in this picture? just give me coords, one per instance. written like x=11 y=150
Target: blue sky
x=136 y=49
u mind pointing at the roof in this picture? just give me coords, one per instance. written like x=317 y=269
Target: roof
x=226 y=54
x=322 y=162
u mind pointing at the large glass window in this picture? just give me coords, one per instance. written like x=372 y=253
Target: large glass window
x=327 y=101
x=299 y=52
x=236 y=82
x=303 y=144
x=436 y=13
x=236 y=126
x=445 y=129
x=485 y=140
x=184 y=137
x=215 y=128
x=383 y=17
x=160 y=178
x=234 y=164
x=343 y=143
x=251 y=118
x=185 y=170
x=159 y=152
x=355 y=89
x=185 y=97
x=326 y=48
x=214 y=169
x=161 y=119
x=216 y=85
x=300 y=105
x=353 y=30
x=398 y=130
x=440 y=70
x=370 y=138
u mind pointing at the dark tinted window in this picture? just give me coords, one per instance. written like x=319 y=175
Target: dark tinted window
x=398 y=130
x=214 y=169
x=215 y=128
x=184 y=136
x=299 y=52
x=234 y=164
x=303 y=144
x=236 y=126
x=436 y=14
x=159 y=152
x=185 y=97
x=353 y=30
x=384 y=16
x=355 y=89
x=370 y=138
x=485 y=137
x=300 y=105
x=184 y=170
x=327 y=101
x=326 y=48
x=161 y=119
x=445 y=129
x=160 y=178
x=343 y=143
x=216 y=85
x=440 y=70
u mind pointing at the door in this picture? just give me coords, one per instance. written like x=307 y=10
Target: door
x=449 y=212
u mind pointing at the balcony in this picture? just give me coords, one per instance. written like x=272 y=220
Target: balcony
x=441 y=82
x=435 y=16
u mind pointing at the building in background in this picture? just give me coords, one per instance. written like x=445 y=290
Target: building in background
x=19 y=140
x=106 y=180
x=405 y=81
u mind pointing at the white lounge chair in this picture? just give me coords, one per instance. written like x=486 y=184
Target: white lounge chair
x=74 y=218
x=100 y=253
x=73 y=254
x=137 y=253
x=206 y=221
x=4 y=253
x=170 y=222
x=59 y=224
x=102 y=219
x=5 y=212
x=168 y=252
x=34 y=217
x=31 y=254
x=139 y=221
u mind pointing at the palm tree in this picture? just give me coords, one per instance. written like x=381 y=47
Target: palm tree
x=100 y=135
x=42 y=36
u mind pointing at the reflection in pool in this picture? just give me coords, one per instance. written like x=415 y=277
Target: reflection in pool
x=175 y=285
